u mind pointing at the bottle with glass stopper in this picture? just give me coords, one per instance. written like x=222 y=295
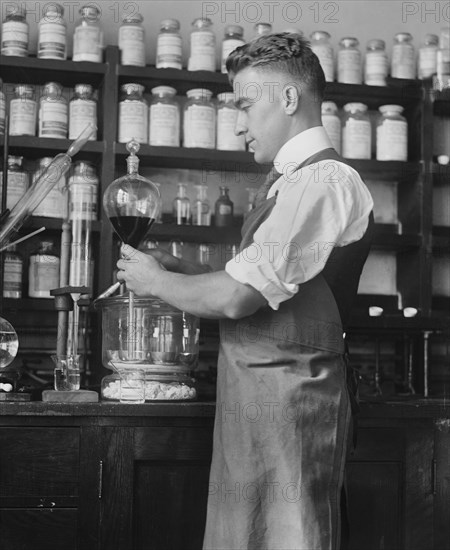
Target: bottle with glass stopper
x=202 y=210
x=182 y=206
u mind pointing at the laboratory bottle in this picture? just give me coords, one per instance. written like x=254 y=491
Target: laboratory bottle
x=227 y=115
x=52 y=39
x=223 y=209
x=164 y=117
x=349 y=61
x=261 y=29
x=23 y=111
x=443 y=60
x=427 y=58
x=182 y=206
x=88 y=36
x=12 y=273
x=15 y=32
x=132 y=40
x=403 y=63
x=17 y=181
x=82 y=111
x=83 y=186
x=356 y=132
x=392 y=134
x=376 y=63
x=332 y=123
x=43 y=272
x=53 y=112
x=202 y=210
x=234 y=38
x=321 y=46
x=169 y=46
x=133 y=114
x=54 y=204
x=199 y=119
x=202 y=46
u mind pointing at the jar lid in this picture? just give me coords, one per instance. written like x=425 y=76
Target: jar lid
x=83 y=88
x=52 y=88
x=90 y=12
x=293 y=30
x=173 y=23
x=431 y=39
x=317 y=35
x=376 y=44
x=201 y=22
x=354 y=107
x=234 y=29
x=349 y=41
x=24 y=89
x=199 y=92
x=164 y=90
x=85 y=169
x=132 y=87
x=17 y=10
x=135 y=18
x=329 y=107
x=263 y=28
x=403 y=36
x=53 y=9
x=14 y=160
x=226 y=97
x=390 y=109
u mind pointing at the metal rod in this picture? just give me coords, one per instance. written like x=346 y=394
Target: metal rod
x=22 y=239
x=426 y=335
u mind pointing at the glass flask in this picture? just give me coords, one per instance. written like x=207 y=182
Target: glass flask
x=223 y=209
x=234 y=37
x=52 y=39
x=202 y=210
x=321 y=46
x=169 y=46
x=203 y=46
x=88 y=36
x=15 y=32
x=182 y=206
x=427 y=58
x=131 y=40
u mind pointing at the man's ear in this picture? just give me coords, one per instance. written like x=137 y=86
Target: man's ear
x=291 y=99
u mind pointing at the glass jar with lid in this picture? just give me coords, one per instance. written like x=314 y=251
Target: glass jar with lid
x=82 y=111
x=261 y=29
x=53 y=112
x=83 y=191
x=376 y=63
x=227 y=115
x=203 y=46
x=321 y=46
x=133 y=114
x=15 y=32
x=332 y=123
x=17 y=180
x=403 y=63
x=43 y=271
x=23 y=111
x=132 y=40
x=88 y=36
x=234 y=37
x=54 y=204
x=349 y=61
x=427 y=59
x=52 y=39
x=12 y=275
x=169 y=46
x=392 y=134
x=356 y=132
x=199 y=119
x=2 y=108
x=223 y=209
x=164 y=123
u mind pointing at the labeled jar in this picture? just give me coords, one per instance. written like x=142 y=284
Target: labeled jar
x=227 y=115
x=12 y=273
x=82 y=111
x=443 y=60
x=83 y=191
x=23 y=111
x=54 y=204
x=356 y=132
x=2 y=109
x=261 y=29
x=43 y=272
x=349 y=61
x=321 y=46
x=234 y=38
x=132 y=40
x=332 y=123
x=223 y=209
x=376 y=65
x=202 y=46
x=164 y=113
x=88 y=36
x=53 y=112
x=52 y=39
x=168 y=45
x=133 y=114
x=392 y=134
x=199 y=119
x=427 y=59
x=15 y=32
x=403 y=64
x=17 y=181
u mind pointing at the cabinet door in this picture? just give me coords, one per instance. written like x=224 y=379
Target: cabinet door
x=155 y=487
x=390 y=487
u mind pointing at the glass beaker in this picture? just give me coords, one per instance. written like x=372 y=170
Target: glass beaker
x=67 y=372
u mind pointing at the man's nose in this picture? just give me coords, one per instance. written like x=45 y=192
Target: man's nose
x=240 y=127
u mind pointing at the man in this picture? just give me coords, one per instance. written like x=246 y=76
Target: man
x=282 y=416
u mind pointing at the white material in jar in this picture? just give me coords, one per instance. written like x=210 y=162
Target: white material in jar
x=227 y=115
x=403 y=57
x=53 y=112
x=15 y=33
x=133 y=115
x=199 y=121
x=52 y=40
x=132 y=41
x=164 y=118
x=427 y=59
x=23 y=110
x=356 y=132
x=376 y=63
x=332 y=124
x=203 y=47
x=233 y=39
x=168 y=47
x=392 y=134
x=320 y=45
x=349 y=62
x=88 y=36
x=82 y=111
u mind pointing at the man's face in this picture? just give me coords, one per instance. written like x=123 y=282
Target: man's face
x=258 y=97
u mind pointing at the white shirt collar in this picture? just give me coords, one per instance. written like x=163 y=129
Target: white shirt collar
x=299 y=148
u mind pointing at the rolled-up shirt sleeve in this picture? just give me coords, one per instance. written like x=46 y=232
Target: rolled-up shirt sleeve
x=313 y=213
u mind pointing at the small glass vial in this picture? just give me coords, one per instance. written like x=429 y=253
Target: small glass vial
x=392 y=134
x=403 y=64
x=2 y=108
x=133 y=114
x=132 y=41
x=17 y=184
x=251 y=197
x=82 y=111
x=332 y=123
x=12 y=274
x=53 y=112
x=199 y=119
x=43 y=273
x=261 y=29
x=202 y=210
x=182 y=206
x=349 y=61
x=227 y=115
x=356 y=132
x=427 y=59
x=52 y=40
x=223 y=209
x=23 y=111
x=203 y=46
x=321 y=46
x=168 y=46
x=15 y=32
x=234 y=37
x=88 y=36
x=54 y=204
x=376 y=65
x=83 y=191
x=164 y=121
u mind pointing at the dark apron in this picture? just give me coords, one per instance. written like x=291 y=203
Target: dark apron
x=282 y=422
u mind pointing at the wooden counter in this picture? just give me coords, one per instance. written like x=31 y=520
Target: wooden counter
x=114 y=476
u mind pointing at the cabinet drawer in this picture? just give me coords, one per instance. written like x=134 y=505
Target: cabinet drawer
x=39 y=466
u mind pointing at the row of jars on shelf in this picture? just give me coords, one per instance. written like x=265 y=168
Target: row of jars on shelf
x=433 y=56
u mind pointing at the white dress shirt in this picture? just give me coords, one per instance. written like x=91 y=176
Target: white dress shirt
x=323 y=205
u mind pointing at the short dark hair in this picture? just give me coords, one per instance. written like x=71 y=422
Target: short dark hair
x=284 y=52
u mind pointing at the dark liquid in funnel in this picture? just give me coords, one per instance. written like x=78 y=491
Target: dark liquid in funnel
x=131 y=229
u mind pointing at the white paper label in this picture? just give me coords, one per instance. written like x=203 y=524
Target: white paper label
x=392 y=140
x=23 y=117
x=199 y=127
x=133 y=121
x=356 y=139
x=164 y=125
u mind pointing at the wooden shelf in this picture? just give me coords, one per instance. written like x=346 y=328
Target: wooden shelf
x=387 y=236
x=36 y=147
x=28 y=304
x=55 y=223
